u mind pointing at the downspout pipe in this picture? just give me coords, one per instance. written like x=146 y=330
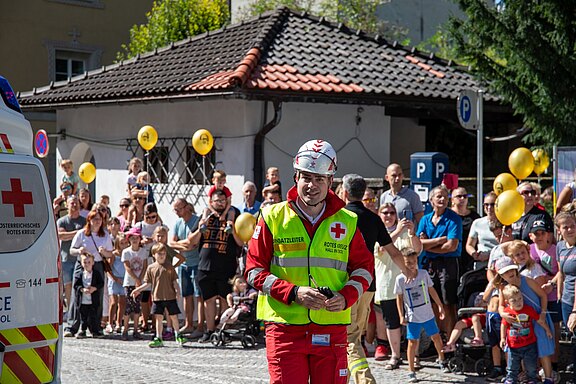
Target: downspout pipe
x=259 y=141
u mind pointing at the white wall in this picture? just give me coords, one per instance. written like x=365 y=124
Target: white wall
x=362 y=148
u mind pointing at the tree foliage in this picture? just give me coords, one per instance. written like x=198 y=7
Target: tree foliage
x=355 y=14
x=524 y=50
x=174 y=20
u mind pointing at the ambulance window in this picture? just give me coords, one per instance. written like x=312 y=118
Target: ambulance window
x=8 y=95
x=24 y=210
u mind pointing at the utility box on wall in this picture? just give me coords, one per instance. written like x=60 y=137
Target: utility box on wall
x=427 y=170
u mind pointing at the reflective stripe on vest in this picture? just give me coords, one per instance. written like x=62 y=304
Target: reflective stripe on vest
x=296 y=256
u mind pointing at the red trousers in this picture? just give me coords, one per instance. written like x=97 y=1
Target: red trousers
x=301 y=354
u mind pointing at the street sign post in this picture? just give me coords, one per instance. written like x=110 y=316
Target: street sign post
x=470 y=111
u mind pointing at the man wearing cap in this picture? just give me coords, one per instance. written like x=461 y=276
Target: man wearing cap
x=311 y=264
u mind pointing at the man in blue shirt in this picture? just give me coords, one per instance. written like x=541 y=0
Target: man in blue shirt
x=441 y=234
x=250 y=205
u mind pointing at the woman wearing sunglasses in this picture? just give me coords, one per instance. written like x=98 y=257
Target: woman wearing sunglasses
x=136 y=211
x=123 y=215
x=481 y=239
x=402 y=234
x=521 y=228
x=147 y=226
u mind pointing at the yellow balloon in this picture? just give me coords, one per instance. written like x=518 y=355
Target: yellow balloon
x=521 y=163
x=147 y=137
x=541 y=161
x=244 y=225
x=87 y=172
x=504 y=182
x=202 y=141
x=509 y=207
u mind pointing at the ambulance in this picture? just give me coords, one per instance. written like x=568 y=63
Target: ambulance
x=30 y=285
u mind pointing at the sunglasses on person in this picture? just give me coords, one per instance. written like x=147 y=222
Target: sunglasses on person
x=486 y=205
x=461 y=196
x=388 y=213
x=152 y=217
x=102 y=210
x=124 y=205
x=370 y=200
x=530 y=192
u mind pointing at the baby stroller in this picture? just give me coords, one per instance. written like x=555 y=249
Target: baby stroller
x=467 y=356
x=245 y=329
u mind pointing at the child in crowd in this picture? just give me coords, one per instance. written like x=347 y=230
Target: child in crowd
x=534 y=296
x=174 y=258
x=85 y=285
x=272 y=182
x=239 y=300
x=519 y=252
x=69 y=175
x=503 y=235
x=116 y=291
x=519 y=336
x=113 y=228
x=414 y=291
x=105 y=202
x=142 y=188
x=134 y=167
x=219 y=180
x=59 y=203
x=163 y=279
x=135 y=261
x=476 y=322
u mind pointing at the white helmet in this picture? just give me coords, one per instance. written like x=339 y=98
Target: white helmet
x=316 y=156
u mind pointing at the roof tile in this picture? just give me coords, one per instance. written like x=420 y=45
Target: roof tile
x=281 y=51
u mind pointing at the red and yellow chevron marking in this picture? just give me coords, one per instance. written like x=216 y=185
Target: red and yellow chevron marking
x=33 y=365
x=6 y=142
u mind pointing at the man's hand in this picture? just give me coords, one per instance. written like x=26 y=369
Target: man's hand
x=310 y=298
x=572 y=321
x=336 y=304
x=403 y=320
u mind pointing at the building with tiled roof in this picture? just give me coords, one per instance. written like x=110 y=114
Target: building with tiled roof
x=262 y=88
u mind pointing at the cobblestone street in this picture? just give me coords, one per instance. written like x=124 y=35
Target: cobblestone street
x=115 y=361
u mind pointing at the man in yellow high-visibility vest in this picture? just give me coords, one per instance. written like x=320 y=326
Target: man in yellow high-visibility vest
x=310 y=264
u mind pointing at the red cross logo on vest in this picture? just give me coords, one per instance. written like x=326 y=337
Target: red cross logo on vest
x=337 y=231
x=17 y=197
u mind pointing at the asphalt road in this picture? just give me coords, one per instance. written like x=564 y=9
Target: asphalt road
x=112 y=360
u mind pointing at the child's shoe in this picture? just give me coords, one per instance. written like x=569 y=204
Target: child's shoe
x=477 y=342
x=81 y=335
x=156 y=343
x=181 y=340
x=228 y=229
x=443 y=365
x=412 y=377
x=381 y=352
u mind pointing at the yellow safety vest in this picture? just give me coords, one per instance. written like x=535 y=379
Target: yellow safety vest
x=296 y=256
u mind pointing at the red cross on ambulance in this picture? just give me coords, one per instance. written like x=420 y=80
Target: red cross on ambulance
x=338 y=230
x=17 y=197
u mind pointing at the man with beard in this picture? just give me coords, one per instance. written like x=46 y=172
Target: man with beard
x=218 y=253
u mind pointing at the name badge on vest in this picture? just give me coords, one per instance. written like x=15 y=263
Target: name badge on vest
x=323 y=340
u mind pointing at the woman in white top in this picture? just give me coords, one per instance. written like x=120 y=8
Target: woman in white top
x=481 y=240
x=402 y=234
x=95 y=240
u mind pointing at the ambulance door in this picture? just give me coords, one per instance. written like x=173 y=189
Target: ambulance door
x=30 y=291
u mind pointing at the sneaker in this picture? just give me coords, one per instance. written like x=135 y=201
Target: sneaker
x=412 y=377
x=228 y=229
x=381 y=352
x=81 y=335
x=205 y=337
x=156 y=343
x=548 y=381
x=495 y=375
x=554 y=379
x=443 y=365
x=97 y=335
x=136 y=335
x=181 y=340
x=124 y=336
x=167 y=335
x=68 y=333
x=196 y=334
